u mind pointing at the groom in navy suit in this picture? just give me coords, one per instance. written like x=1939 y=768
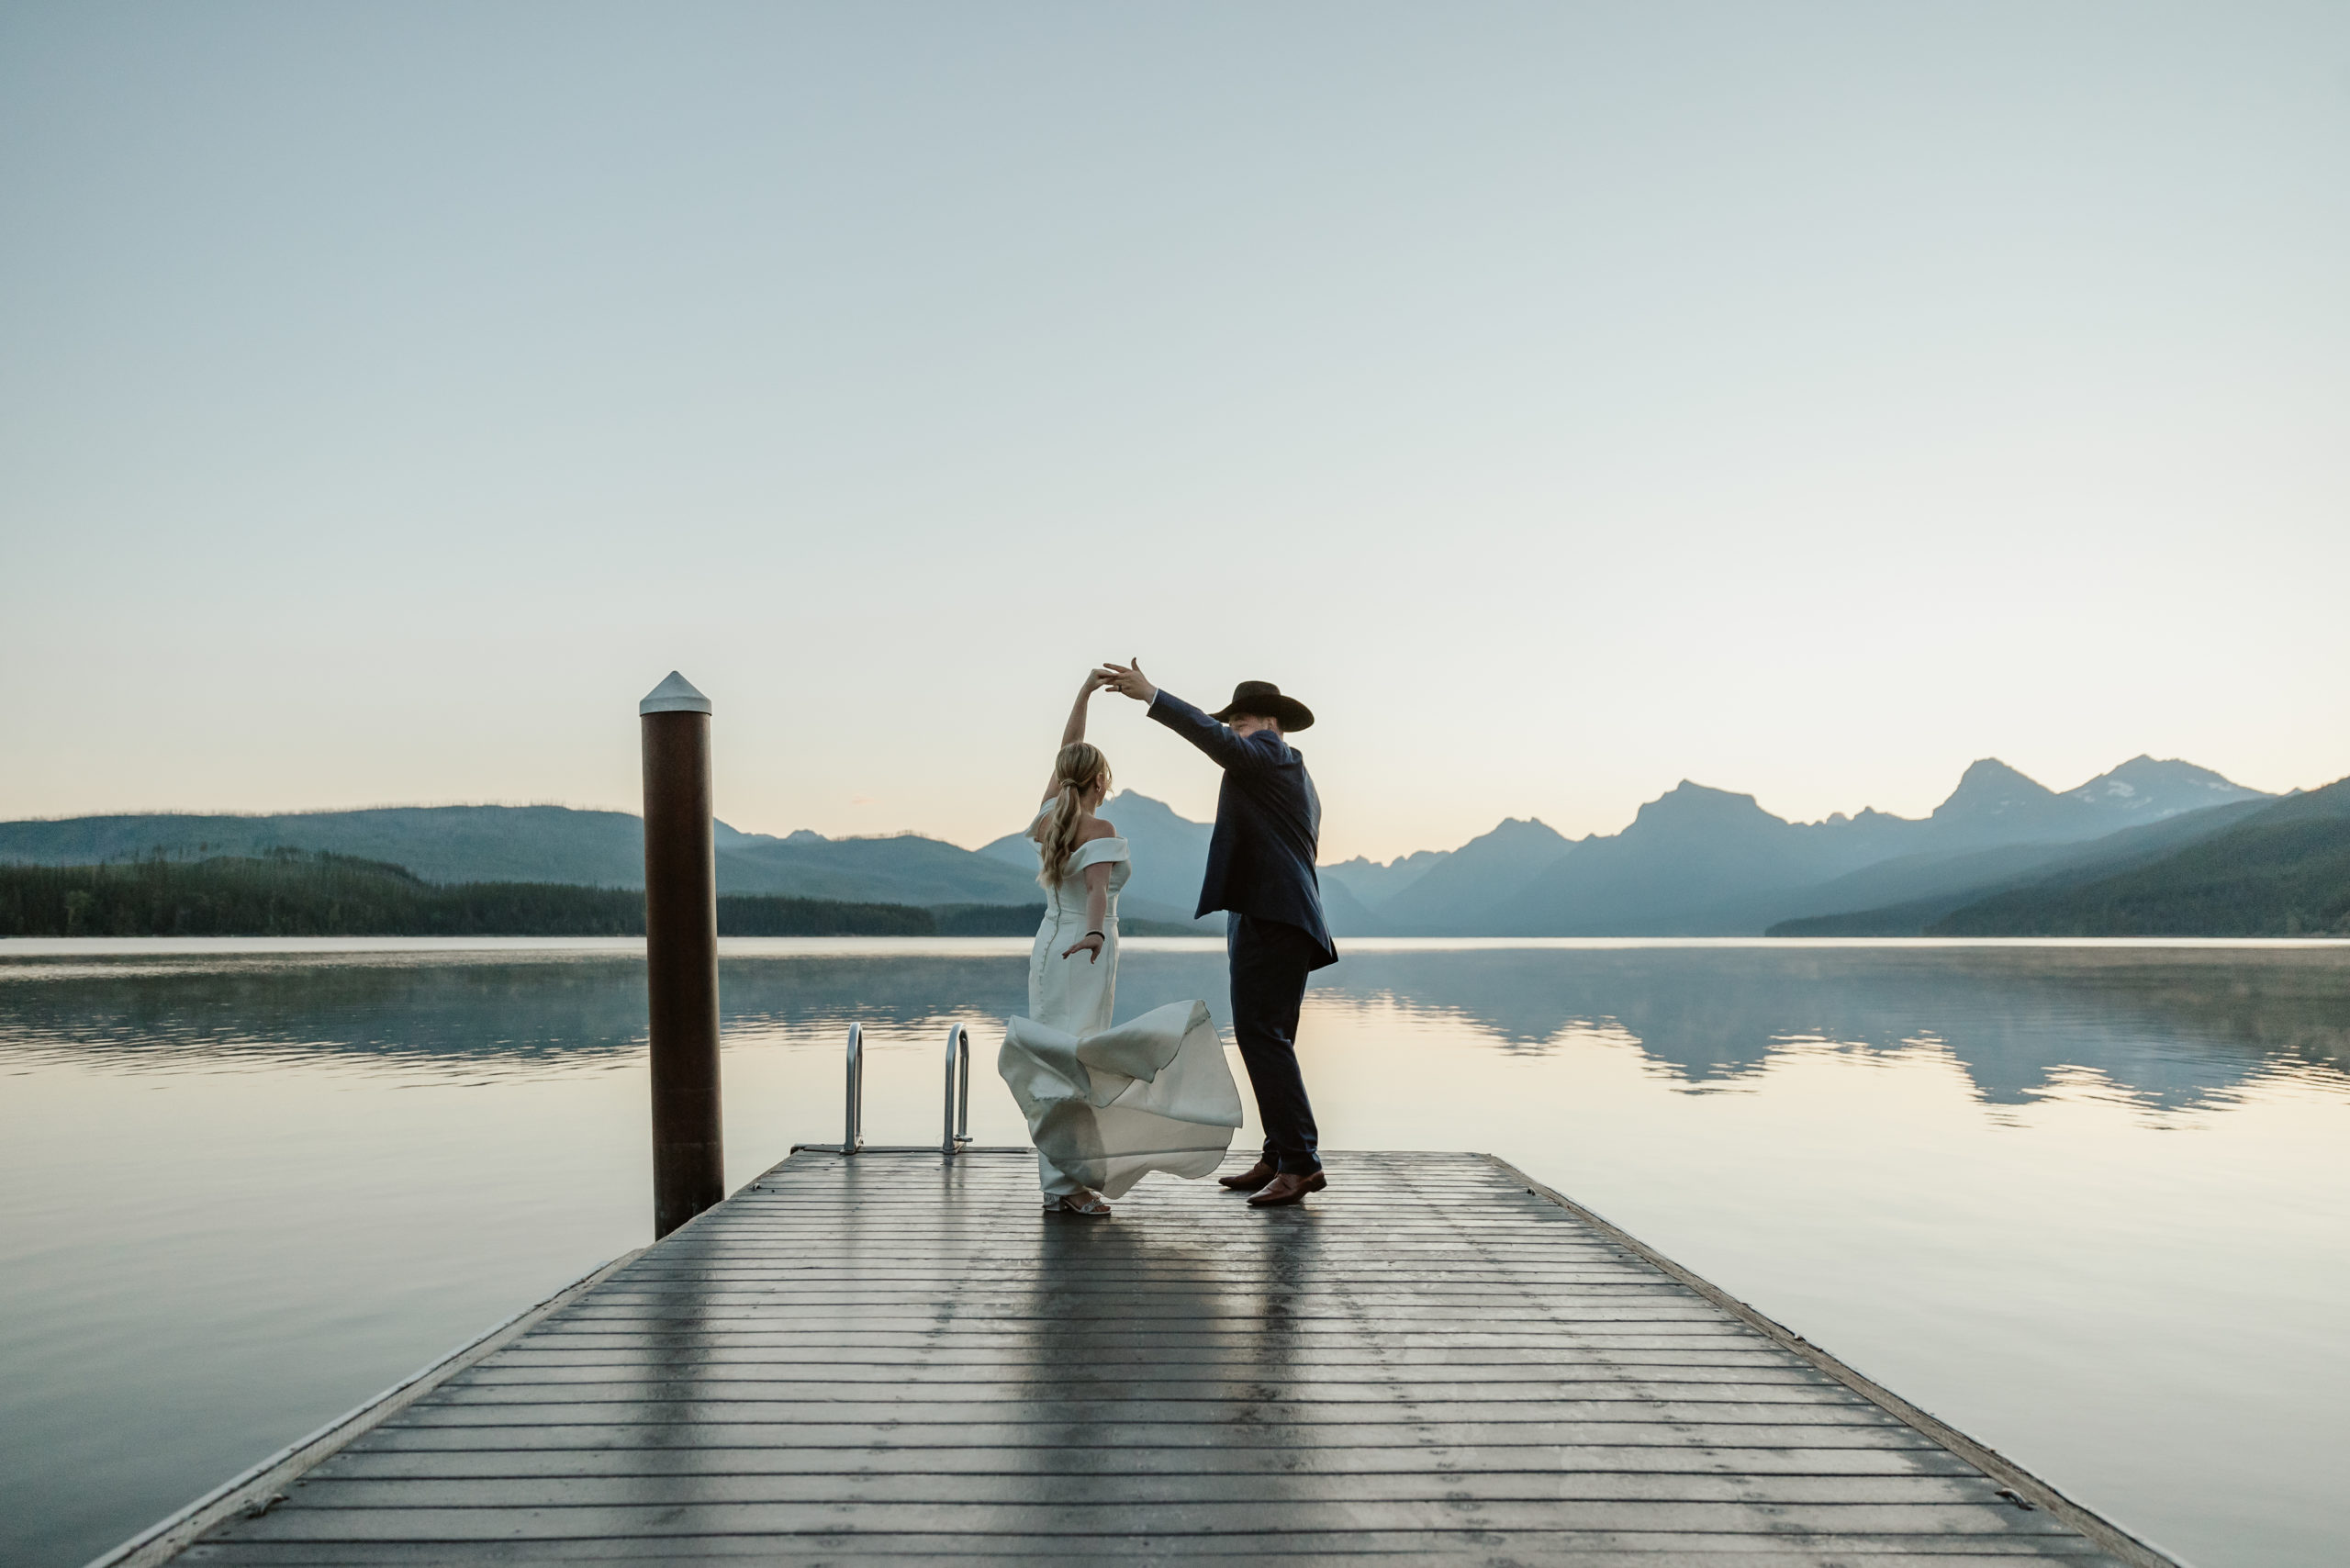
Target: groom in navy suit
x=1261 y=871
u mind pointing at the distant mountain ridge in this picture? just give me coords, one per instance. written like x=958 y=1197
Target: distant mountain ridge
x=1704 y=862
x=2281 y=869
x=439 y=844
x=1372 y=883
x=1458 y=893
x=1694 y=861
x=450 y=845
x=2148 y=790
x=1905 y=897
x=1698 y=861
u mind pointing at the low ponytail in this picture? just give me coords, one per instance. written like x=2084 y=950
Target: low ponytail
x=1075 y=771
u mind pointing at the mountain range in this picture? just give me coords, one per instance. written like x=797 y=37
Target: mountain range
x=538 y=844
x=2273 y=869
x=1696 y=861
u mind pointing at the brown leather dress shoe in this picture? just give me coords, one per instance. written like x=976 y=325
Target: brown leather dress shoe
x=1249 y=1180
x=1288 y=1189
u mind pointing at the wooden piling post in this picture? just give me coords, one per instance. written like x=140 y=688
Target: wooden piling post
x=681 y=953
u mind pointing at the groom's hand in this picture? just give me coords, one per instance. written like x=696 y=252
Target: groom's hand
x=1129 y=679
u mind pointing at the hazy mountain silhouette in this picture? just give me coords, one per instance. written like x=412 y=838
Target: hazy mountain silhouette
x=2147 y=790
x=1457 y=895
x=1994 y=804
x=904 y=868
x=1696 y=861
x=2284 y=870
x=1170 y=859
x=1704 y=862
x=1372 y=884
x=1903 y=896
x=439 y=844
x=1346 y=915
x=537 y=844
x=1686 y=854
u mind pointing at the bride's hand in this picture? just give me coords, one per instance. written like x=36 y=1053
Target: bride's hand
x=1095 y=679
x=1130 y=680
x=1090 y=944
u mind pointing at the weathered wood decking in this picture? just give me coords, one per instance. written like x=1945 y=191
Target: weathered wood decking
x=895 y=1358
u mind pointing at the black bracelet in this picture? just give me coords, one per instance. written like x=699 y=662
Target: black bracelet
x=1097 y=934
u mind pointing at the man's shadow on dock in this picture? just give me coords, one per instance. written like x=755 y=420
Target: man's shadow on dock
x=1167 y=1347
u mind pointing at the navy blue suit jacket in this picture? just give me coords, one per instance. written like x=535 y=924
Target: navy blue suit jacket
x=1268 y=825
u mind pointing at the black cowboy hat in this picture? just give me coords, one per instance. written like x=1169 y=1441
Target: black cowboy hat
x=1263 y=699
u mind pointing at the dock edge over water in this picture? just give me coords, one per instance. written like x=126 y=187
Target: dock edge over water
x=245 y=1503
x=252 y=1491
x=2108 y=1535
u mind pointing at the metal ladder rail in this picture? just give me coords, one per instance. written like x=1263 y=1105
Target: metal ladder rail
x=955 y=1130
x=853 y=1126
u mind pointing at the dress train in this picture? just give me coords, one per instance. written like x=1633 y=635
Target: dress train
x=1106 y=1108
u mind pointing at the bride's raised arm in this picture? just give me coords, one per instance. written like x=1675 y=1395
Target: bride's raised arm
x=1074 y=731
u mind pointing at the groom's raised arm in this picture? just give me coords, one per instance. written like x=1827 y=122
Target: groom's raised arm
x=1263 y=749
x=1216 y=739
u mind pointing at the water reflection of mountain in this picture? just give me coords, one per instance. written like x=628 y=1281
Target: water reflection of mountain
x=475 y=1010
x=400 y=1010
x=2173 y=1026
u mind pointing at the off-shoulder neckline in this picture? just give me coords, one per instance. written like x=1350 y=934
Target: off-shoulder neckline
x=1081 y=843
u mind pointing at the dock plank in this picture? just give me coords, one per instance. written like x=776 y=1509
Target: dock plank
x=896 y=1358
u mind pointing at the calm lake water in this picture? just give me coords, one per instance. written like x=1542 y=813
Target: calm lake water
x=2089 y=1202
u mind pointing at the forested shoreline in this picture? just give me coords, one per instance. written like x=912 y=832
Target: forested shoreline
x=294 y=893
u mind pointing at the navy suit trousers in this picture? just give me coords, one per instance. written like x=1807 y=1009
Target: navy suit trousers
x=1269 y=962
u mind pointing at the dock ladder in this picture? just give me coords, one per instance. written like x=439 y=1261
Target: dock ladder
x=954 y=1129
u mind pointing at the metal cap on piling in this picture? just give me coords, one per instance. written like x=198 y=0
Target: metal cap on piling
x=675 y=695
x=681 y=953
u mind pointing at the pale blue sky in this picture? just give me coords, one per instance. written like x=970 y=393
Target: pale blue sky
x=1565 y=399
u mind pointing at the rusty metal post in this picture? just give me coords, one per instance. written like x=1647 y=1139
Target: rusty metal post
x=681 y=953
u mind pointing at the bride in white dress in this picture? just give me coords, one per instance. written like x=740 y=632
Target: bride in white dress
x=1105 y=1106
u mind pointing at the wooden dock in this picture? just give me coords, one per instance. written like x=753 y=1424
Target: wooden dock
x=895 y=1358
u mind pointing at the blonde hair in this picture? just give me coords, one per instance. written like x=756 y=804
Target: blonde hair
x=1075 y=771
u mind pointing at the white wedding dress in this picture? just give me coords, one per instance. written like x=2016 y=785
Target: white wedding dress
x=1106 y=1106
